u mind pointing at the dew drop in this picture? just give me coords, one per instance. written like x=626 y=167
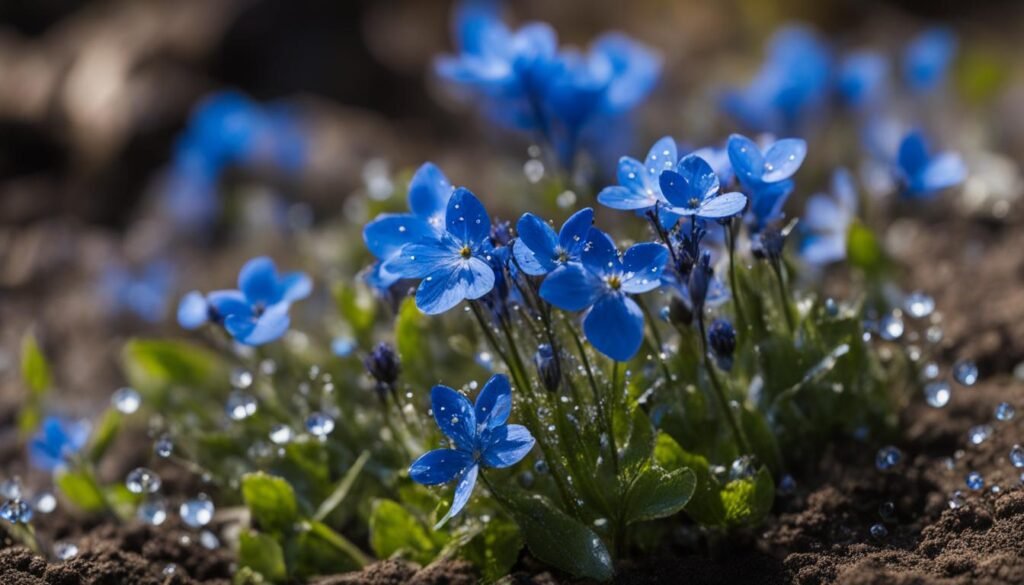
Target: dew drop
x=892 y=327
x=126 y=400
x=240 y=405
x=65 y=551
x=1017 y=456
x=44 y=502
x=974 y=481
x=197 y=512
x=1005 y=411
x=16 y=511
x=887 y=458
x=163 y=447
x=209 y=540
x=534 y=170
x=919 y=305
x=152 y=512
x=937 y=393
x=281 y=434
x=142 y=481
x=241 y=378
x=965 y=372
x=957 y=500
x=879 y=531
x=978 y=434
x=319 y=424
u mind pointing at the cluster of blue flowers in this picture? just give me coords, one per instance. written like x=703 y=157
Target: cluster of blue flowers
x=229 y=130
x=522 y=80
x=254 y=314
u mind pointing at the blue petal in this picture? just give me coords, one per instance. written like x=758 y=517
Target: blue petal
x=447 y=287
x=507 y=446
x=822 y=249
x=643 y=264
x=677 y=192
x=574 y=231
x=783 y=159
x=615 y=326
x=258 y=281
x=701 y=179
x=718 y=158
x=494 y=404
x=571 y=287
x=229 y=302
x=440 y=466
x=466 y=218
x=599 y=253
x=631 y=175
x=725 y=205
x=455 y=416
x=913 y=153
x=429 y=191
x=626 y=199
x=844 y=190
x=536 y=245
x=636 y=70
x=193 y=311
x=746 y=158
x=943 y=171
x=423 y=258
x=269 y=326
x=927 y=58
x=295 y=286
x=822 y=214
x=662 y=156
x=385 y=235
x=463 y=491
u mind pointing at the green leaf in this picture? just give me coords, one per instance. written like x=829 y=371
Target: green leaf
x=106 y=432
x=322 y=551
x=395 y=531
x=637 y=452
x=494 y=549
x=341 y=490
x=153 y=365
x=748 y=501
x=34 y=369
x=863 y=249
x=705 y=505
x=357 y=307
x=262 y=554
x=271 y=500
x=761 y=438
x=558 y=539
x=80 y=488
x=657 y=493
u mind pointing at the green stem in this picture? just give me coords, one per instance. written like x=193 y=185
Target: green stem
x=723 y=401
x=783 y=296
x=741 y=318
x=598 y=403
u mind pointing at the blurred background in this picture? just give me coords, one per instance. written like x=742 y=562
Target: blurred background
x=102 y=104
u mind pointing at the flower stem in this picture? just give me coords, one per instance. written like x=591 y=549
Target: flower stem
x=783 y=296
x=723 y=402
x=598 y=402
x=730 y=234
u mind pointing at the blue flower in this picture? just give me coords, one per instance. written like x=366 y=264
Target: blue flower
x=766 y=174
x=602 y=283
x=693 y=190
x=923 y=174
x=927 y=58
x=861 y=79
x=639 y=187
x=429 y=192
x=57 y=441
x=144 y=293
x=255 y=313
x=455 y=263
x=827 y=220
x=539 y=250
x=479 y=435
x=792 y=84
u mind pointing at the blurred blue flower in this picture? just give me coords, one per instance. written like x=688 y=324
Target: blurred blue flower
x=765 y=175
x=479 y=435
x=454 y=263
x=255 y=313
x=539 y=250
x=927 y=58
x=923 y=174
x=145 y=293
x=862 y=79
x=639 y=187
x=521 y=80
x=429 y=192
x=228 y=129
x=602 y=283
x=792 y=84
x=57 y=441
x=826 y=221
x=693 y=190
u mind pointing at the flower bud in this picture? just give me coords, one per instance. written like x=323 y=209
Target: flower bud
x=700 y=279
x=384 y=366
x=547 y=367
x=768 y=244
x=722 y=339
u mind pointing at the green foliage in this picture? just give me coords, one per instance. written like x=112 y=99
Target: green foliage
x=155 y=367
x=863 y=249
x=262 y=554
x=494 y=548
x=106 y=431
x=80 y=488
x=657 y=493
x=35 y=373
x=394 y=531
x=747 y=501
x=358 y=308
x=271 y=500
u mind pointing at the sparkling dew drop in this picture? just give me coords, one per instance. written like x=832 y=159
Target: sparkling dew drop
x=965 y=372
x=887 y=458
x=197 y=512
x=937 y=393
x=126 y=400
x=142 y=481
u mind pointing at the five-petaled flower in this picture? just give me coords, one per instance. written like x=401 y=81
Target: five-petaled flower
x=429 y=192
x=602 y=283
x=454 y=263
x=479 y=435
x=921 y=173
x=639 y=187
x=693 y=190
x=56 y=442
x=539 y=250
x=765 y=175
x=255 y=313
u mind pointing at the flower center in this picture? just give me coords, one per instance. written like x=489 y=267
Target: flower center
x=693 y=203
x=561 y=256
x=465 y=252
x=614 y=282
